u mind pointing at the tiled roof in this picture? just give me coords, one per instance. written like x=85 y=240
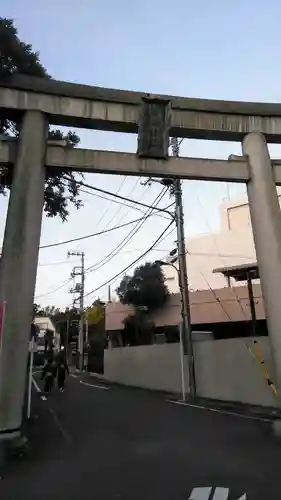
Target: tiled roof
x=206 y=306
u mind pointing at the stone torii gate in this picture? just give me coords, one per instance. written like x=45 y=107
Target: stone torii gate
x=40 y=102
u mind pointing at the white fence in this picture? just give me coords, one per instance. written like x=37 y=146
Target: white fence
x=225 y=369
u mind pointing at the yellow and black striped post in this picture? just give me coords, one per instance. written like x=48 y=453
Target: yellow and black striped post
x=259 y=357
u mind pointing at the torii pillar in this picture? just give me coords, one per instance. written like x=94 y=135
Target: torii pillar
x=266 y=223
x=18 y=268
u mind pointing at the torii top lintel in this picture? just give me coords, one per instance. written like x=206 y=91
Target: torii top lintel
x=100 y=108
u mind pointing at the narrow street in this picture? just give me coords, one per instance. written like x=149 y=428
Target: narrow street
x=108 y=442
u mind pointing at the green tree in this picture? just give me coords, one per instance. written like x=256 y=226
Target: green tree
x=48 y=311
x=18 y=57
x=146 y=288
x=146 y=291
x=138 y=329
x=95 y=313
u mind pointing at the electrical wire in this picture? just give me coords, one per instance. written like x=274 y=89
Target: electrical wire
x=142 y=197
x=128 y=237
x=111 y=280
x=45 y=264
x=127 y=212
x=208 y=254
x=110 y=204
x=113 y=201
x=118 y=196
x=87 y=236
x=123 y=216
x=108 y=207
x=211 y=290
x=123 y=203
x=119 y=202
x=68 y=280
x=54 y=290
x=218 y=251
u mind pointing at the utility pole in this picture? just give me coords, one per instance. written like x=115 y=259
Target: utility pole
x=186 y=340
x=185 y=330
x=154 y=142
x=80 y=289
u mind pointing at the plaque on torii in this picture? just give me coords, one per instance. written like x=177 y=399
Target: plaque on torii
x=154 y=127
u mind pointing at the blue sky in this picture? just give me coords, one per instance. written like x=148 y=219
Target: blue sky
x=218 y=49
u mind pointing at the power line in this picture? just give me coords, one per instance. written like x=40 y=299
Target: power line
x=87 y=236
x=121 y=203
x=54 y=290
x=226 y=255
x=220 y=255
x=161 y=239
x=45 y=264
x=107 y=208
x=67 y=261
x=211 y=289
x=151 y=207
x=123 y=217
x=68 y=280
x=132 y=263
x=218 y=250
x=113 y=201
x=118 y=196
x=127 y=238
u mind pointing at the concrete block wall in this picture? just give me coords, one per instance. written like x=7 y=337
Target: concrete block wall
x=225 y=370
x=154 y=367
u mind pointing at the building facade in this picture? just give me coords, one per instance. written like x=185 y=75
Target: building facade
x=232 y=245
x=212 y=300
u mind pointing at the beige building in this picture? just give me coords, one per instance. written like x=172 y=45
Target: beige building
x=211 y=299
x=231 y=246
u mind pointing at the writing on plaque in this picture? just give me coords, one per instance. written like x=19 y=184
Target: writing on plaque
x=154 y=127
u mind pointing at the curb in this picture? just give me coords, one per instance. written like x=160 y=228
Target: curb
x=271 y=413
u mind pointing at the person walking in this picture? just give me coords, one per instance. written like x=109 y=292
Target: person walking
x=49 y=374
x=62 y=368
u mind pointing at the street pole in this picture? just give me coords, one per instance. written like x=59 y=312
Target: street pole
x=31 y=359
x=80 y=288
x=67 y=336
x=186 y=344
x=185 y=330
x=183 y=387
x=81 y=325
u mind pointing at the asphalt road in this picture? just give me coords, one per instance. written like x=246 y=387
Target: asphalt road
x=119 y=443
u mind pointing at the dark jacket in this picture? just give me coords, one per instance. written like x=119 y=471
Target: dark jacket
x=49 y=370
x=61 y=362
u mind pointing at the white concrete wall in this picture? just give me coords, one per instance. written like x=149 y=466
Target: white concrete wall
x=225 y=369
x=153 y=367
